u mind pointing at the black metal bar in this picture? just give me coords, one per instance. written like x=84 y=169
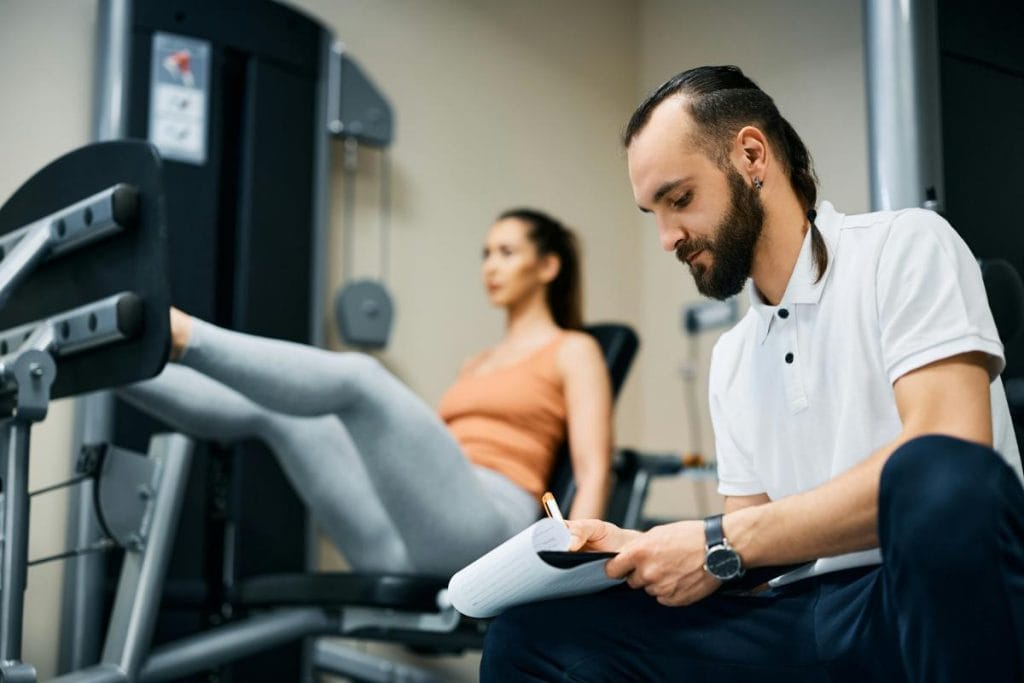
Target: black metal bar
x=15 y=537
x=61 y=485
x=98 y=547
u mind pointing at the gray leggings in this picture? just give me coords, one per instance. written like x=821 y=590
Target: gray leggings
x=382 y=475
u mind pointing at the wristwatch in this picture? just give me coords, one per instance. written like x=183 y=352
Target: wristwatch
x=720 y=560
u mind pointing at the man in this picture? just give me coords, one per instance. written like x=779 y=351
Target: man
x=855 y=408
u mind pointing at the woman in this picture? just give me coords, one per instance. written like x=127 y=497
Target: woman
x=393 y=485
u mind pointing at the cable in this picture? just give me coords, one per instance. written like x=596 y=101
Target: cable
x=63 y=484
x=351 y=164
x=385 y=214
x=690 y=395
x=102 y=545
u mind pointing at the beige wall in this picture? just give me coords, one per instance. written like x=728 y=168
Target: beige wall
x=46 y=94
x=497 y=104
x=808 y=55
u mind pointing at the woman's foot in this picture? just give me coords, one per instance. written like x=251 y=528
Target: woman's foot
x=181 y=332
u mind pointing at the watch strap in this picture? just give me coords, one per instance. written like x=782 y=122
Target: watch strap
x=713 y=532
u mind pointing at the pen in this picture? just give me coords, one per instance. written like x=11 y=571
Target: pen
x=551 y=507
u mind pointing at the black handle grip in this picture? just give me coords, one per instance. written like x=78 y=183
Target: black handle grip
x=130 y=311
x=125 y=205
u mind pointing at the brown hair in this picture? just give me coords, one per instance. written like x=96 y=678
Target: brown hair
x=549 y=236
x=721 y=100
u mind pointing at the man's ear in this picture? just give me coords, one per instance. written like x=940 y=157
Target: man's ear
x=550 y=266
x=750 y=152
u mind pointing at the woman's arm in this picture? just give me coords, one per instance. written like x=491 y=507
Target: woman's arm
x=588 y=399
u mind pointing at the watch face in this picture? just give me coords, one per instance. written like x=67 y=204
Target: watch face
x=723 y=563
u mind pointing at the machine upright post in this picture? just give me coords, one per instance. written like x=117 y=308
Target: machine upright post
x=140 y=587
x=32 y=373
x=82 y=600
x=13 y=564
x=904 y=129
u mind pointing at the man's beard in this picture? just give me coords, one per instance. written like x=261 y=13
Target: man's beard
x=732 y=250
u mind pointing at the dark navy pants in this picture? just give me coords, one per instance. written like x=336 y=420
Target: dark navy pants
x=947 y=604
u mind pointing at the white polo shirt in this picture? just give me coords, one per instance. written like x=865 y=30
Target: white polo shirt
x=802 y=391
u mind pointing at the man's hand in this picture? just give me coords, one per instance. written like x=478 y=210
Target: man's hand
x=597 y=535
x=667 y=562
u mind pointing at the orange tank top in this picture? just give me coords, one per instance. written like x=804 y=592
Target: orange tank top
x=511 y=419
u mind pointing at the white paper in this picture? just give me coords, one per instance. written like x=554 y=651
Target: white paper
x=513 y=573
x=827 y=565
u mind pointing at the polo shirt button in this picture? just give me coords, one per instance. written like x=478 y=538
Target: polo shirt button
x=789 y=357
x=783 y=313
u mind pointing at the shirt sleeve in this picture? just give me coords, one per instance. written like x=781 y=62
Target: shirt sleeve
x=930 y=297
x=736 y=473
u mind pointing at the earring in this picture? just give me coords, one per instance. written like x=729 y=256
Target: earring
x=758 y=183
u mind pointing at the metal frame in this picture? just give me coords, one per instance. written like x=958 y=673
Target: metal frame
x=75 y=226
x=252 y=634
x=904 y=125
x=325 y=93
x=29 y=373
x=79 y=329
x=83 y=579
x=258 y=633
x=335 y=658
x=82 y=600
x=318 y=259
x=160 y=480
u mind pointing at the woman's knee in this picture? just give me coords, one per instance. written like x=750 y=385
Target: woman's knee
x=360 y=364
x=360 y=372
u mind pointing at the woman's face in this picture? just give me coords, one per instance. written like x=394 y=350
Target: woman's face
x=512 y=270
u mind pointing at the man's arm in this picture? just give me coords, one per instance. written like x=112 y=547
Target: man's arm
x=949 y=397
x=734 y=503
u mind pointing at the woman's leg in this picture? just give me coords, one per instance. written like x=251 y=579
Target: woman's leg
x=445 y=514
x=316 y=454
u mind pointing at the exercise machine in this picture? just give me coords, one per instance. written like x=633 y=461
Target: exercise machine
x=83 y=307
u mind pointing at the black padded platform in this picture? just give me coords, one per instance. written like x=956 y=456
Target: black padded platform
x=396 y=591
x=619 y=345
x=131 y=261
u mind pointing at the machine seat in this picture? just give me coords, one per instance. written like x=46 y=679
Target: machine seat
x=405 y=592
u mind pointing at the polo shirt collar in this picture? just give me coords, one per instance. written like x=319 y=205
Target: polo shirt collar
x=802 y=288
